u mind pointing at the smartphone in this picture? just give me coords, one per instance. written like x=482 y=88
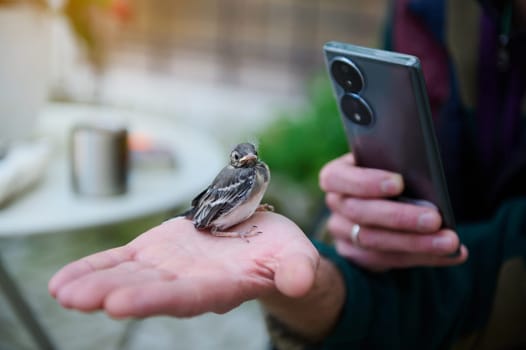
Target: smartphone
x=385 y=111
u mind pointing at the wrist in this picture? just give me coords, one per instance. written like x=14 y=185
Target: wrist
x=311 y=317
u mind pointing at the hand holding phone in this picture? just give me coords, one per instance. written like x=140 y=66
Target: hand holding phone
x=383 y=105
x=392 y=234
x=385 y=112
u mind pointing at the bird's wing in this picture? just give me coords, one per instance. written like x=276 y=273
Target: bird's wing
x=218 y=181
x=230 y=189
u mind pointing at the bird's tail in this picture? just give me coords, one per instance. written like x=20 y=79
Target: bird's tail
x=188 y=214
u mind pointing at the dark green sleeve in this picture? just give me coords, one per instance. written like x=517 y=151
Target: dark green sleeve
x=428 y=308
x=358 y=310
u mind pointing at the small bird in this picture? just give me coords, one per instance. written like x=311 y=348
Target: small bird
x=234 y=195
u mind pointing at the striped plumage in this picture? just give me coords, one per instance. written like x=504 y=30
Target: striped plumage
x=234 y=195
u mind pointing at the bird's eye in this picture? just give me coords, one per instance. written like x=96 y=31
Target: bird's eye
x=236 y=156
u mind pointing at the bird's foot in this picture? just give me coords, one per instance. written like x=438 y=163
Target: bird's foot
x=243 y=234
x=265 y=207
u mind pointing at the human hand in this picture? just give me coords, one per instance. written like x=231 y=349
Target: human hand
x=392 y=234
x=173 y=269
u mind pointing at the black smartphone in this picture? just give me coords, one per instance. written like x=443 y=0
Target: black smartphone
x=385 y=111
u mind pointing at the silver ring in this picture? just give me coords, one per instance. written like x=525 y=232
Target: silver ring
x=355 y=232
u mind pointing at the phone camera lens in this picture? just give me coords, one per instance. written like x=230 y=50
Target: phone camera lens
x=356 y=109
x=347 y=75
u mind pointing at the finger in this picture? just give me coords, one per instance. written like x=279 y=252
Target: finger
x=439 y=243
x=346 y=158
x=184 y=297
x=377 y=261
x=101 y=260
x=88 y=292
x=342 y=177
x=292 y=267
x=387 y=214
x=442 y=243
x=295 y=275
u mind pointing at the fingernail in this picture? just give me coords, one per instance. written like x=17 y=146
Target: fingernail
x=427 y=221
x=393 y=185
x=443 y=243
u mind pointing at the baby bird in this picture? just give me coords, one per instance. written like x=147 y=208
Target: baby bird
x=234 y=195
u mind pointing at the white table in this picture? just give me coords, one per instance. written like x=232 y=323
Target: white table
x=52 y=206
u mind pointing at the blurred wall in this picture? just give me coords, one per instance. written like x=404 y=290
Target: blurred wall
x=266 y=44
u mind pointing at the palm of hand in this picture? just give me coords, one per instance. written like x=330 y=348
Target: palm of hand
x=174 y=269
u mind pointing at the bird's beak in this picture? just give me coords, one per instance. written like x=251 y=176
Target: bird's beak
x=248 y=158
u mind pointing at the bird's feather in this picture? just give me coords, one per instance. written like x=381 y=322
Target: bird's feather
x=230 y=189
x=234 y=194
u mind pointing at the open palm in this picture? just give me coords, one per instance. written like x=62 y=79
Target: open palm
x=176 y=270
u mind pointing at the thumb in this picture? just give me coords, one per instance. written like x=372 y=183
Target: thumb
x=295 y=275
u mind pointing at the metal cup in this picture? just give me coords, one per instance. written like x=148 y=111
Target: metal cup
x=99 y=159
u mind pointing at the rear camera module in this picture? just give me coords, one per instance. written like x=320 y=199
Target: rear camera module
x=347 y=75
x=356 y=109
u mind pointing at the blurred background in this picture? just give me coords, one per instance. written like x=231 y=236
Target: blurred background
x=227 y=71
